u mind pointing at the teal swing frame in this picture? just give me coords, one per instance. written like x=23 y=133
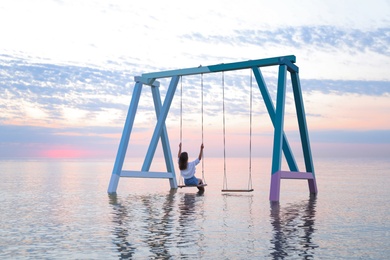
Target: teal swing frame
x=276 y=114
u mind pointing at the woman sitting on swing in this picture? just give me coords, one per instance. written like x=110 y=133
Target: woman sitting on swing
x=187 y=169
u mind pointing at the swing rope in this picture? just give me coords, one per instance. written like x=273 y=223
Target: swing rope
x=201 y=87
x=250 y=131
x=224 y=133
x=181 y=121
x=181 y=109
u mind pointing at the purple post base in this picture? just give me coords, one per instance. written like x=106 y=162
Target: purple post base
x=277 y=176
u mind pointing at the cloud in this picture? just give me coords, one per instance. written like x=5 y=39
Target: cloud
x=323 y=51
x=326 y=38
x=360 y=87
x=35 y=93
x=54 y=89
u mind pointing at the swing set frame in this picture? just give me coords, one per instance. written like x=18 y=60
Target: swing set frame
x=280 y=142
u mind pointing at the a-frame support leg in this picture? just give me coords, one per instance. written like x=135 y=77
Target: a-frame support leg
x=280 y=140
x=278 y=134
x=116 y=172
x=303 y=131
x=159 y=131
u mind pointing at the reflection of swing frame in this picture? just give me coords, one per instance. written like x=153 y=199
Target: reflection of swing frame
x=280 y=144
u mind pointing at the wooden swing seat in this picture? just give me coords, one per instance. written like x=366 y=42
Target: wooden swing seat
x=238 y=190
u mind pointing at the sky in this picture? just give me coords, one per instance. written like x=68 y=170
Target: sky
x=67 y=71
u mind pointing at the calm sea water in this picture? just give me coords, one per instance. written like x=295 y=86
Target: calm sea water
x=61 y=210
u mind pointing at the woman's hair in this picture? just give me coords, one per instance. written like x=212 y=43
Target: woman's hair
x=183 y=161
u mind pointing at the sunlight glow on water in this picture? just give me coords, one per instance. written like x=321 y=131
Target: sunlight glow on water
x=60 y=209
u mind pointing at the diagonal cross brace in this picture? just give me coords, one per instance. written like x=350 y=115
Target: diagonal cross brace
x=164 y=136
x=271 y=111
x=160 y=130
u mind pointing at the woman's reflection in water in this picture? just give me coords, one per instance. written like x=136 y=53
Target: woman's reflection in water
x=189 y=232
x=293 y=228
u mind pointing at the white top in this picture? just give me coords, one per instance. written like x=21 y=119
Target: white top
x=191 y=169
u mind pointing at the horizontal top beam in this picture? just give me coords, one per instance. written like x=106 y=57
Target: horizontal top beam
x=149 y=78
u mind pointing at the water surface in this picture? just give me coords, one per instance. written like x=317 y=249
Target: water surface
x=61 y=209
